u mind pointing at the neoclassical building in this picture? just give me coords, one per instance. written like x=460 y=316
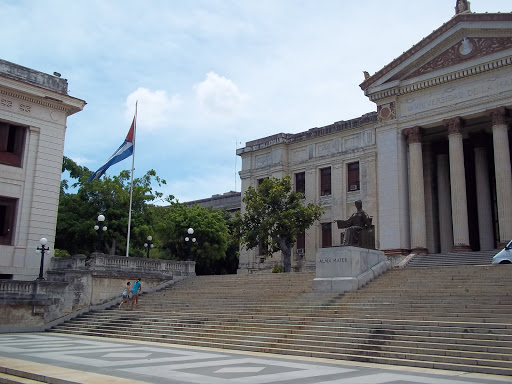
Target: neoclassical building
x=432 y=165
x=34 y=107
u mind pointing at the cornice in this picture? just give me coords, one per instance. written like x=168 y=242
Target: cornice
x=40 y=96
x=442 y=79
x=457 y=19
x=33 y=100
x=288 y=138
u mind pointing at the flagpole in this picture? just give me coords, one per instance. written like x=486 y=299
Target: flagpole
x=131 y=183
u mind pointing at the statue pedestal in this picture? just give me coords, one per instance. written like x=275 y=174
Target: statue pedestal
x=347 y=268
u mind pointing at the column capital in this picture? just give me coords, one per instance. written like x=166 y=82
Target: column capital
x=413 y=135
x=498 y=116
x=454 y=125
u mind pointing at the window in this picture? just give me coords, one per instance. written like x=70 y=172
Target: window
x=325 y=181
x=12 y=138
x=7 y=210
x=326 y=235
x=353 y=176
x=301 y=243
x=260 y=181
x=300 y=182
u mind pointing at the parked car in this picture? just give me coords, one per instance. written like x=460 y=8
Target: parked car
x=504 y=256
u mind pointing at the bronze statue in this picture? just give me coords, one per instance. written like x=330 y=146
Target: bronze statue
x=356 y=223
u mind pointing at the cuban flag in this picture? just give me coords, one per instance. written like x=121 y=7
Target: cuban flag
x=124 y=151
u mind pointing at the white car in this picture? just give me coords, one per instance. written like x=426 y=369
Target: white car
x=504 y=256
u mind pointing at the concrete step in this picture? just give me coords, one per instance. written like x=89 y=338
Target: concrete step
x=409 y=359
x=453 y=317
x=310 y=337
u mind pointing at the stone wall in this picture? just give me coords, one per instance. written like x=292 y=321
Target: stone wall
x=75 y=285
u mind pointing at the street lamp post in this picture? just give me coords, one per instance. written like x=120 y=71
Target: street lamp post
x=43 y=241
x=149 y=244
x=189 y=241
x=101 y=219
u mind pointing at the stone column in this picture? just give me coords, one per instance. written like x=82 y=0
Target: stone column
x=458 y=186
x=483 y=194
x=444 y=202
x=503 y=174
x=416 y=191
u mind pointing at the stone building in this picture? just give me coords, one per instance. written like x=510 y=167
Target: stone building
x=229 y=201
x=34 y=107
x=432 y=165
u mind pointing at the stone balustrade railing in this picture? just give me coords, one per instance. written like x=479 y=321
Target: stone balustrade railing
x=77 y=283
x=100 y=261
x=119 y=264
x=16 y=288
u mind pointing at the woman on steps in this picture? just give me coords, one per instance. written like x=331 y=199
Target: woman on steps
x=137 y=288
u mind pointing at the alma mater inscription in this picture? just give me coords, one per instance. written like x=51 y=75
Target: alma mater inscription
x=451 y=95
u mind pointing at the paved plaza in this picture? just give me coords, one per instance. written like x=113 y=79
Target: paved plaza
x=82 y=359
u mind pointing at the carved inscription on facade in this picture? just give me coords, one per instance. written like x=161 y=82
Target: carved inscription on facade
x=6 y=103
x=452 y=95
x=334 y=260
x=25 y=108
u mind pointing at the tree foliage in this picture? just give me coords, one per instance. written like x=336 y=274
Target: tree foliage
x=110 y=197
x=81 y=202
x=274 y=215
x=210 y=231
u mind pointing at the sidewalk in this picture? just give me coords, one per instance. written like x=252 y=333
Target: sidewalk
x=62 y=359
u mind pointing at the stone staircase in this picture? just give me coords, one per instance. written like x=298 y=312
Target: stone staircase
x=457 y=318
x=452 y=259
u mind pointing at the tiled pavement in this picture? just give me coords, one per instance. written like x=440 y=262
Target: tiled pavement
x=79 y=359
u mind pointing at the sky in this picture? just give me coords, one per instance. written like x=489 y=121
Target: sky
x=210 y=75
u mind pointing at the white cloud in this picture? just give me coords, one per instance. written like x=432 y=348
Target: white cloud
x=154 y=107
x=220 y=97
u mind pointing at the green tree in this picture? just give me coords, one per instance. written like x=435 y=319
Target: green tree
x=274 y=215
x=109 y=196
x=210 y=231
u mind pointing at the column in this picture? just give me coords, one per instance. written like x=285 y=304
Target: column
x=483 y=193
x=444 y=202
x=416 y=191
x=458 y=186
x=503 y=174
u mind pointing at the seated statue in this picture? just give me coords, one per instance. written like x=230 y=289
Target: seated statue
x=355 y=224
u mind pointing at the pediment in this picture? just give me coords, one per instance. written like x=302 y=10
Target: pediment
x=466 y=49
x=463 y=42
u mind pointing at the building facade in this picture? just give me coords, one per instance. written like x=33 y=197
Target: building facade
x=228 y=201
x=34 y=107
x=432 y=165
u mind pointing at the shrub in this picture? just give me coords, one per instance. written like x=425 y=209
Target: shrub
x=60 y=253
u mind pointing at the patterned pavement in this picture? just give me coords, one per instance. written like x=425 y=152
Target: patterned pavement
x=98 y=360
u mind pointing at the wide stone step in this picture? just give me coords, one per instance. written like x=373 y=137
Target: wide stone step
x=452 y=317
x=348 y=319
x=307 y=336
x=477 y=335
x=487 y=366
